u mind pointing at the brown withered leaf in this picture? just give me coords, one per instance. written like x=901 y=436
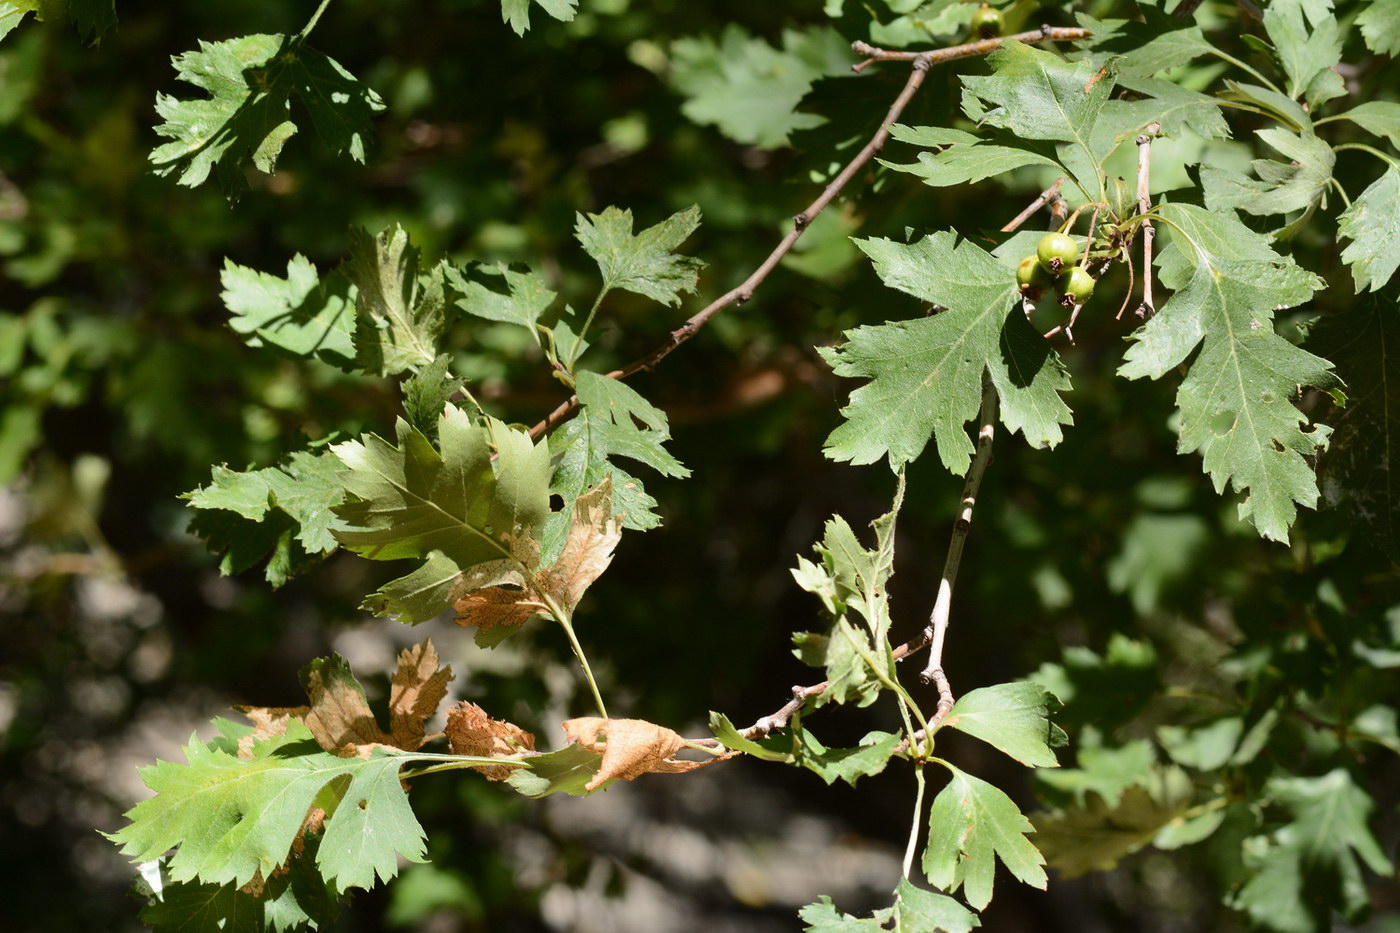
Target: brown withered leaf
x=340 y=717
x=497 y=605
x=630 y=747
x=588 y=550
x=418 y=686
x=593 y=536
x=470 y=731
x=268 y=722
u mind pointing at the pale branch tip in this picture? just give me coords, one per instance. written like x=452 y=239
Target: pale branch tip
x=1144 y=199
x=937 y=628
x=802 y=221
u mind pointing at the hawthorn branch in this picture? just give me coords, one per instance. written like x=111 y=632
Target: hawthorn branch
x=1049 y=194
x=1144 y=144
x=937 y=628
x=922 y=61
x=967 y=50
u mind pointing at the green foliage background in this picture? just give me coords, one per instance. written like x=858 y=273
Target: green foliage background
x=1108 y=566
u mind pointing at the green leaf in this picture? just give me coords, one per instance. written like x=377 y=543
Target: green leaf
x=927 y=373
x=1372 y=223
x=1380 y=25
x=730 y=737
x=1095 y=836
x=400 y=313
x=247 y=116
x=567 y=770
x=1288 y=110
x=848 y=674
x=12 y=12
x=1205 y=747
x=228 y=818
x=1158 y=552
x=285 y=510
x=1361 y=466
x=195 y=908
x=1297 y=184
x=971 y=825
x=1013 y=718
x=89 y=17
x=1307 y=56
x=302 y=314
x=1103 y=770
x=500 y=293
x=627 y=424
x=823 y=917
x=614 y=421
x=473 y=521
x=846 y=764
x=854 y=577
x=961 y=164
x=645 y=262
x=921 y=911
x=1174 y=107
x=427 y=392
x=1037 y=95
x=1235 y=402
x=517 y=12
x=748 y=89
x=1306 y=869
x=1381 y=118
x=1145 y=48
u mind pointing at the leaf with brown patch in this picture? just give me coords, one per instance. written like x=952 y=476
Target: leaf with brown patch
x=268 y=722
x=472 y=732
x=630 y=747
x=419 y=685
x=588 y=550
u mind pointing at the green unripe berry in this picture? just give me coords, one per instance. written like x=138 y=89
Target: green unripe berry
x=1077 y=286
x=1057 y=252
x=1032 y=278
x=986 y=22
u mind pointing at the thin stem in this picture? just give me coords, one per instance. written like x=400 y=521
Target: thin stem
x=1331 y=119
x=1246 y=68
x=917 y=822
x=587 y=322
x=1340 y=190
x=937 y=628
x=745 y=290
x=562 y=618
x=1362 y=147
x=315 y=18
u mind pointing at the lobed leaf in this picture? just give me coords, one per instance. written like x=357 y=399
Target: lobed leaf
x=1235 y=402
x=229 y=819
x=471 y=520
x=1013 y=718
x=247 y=115
x=517 y=12
x=750 y=90
x=1372 y=223
x=283 y=513
x=927 y=374
x=302 y=314
x=1096 y=835
x=400 y=313
x=971 y=825
x=1306 y=869
x=644 y=262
